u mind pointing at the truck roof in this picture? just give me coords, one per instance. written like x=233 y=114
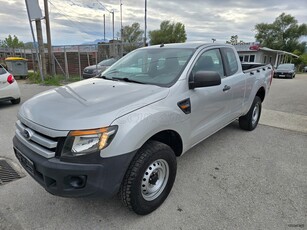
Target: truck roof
x=188 y=45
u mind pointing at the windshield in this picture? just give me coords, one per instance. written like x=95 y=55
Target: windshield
x=108 y=62
x=286 y=66
x=161 y=66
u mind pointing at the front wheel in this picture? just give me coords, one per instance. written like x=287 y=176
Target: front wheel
x=250 y=120
x=149 y=178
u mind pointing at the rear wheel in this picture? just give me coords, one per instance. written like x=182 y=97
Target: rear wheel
x=15 y=101
x=149 y=178
x=250 y=120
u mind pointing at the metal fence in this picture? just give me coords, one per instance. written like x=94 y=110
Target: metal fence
x=72 y=59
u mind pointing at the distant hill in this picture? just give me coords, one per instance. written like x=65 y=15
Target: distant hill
x=95 y=42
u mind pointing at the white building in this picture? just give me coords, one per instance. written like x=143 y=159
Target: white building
x=253 y=52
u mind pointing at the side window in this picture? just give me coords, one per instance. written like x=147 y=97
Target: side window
x=210 y=60
x=252 y=58
x=231 y=62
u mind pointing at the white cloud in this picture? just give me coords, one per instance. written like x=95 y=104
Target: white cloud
x=79 y=21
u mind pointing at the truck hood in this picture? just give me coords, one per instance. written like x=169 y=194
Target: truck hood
x=89 y=104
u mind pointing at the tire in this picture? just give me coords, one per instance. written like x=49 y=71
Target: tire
x=15 y=101
x=250 y=120
x=149 y=178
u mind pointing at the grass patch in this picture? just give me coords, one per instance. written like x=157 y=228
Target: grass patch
x=57 y=80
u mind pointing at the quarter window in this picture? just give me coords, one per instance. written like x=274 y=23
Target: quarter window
x=230 y=61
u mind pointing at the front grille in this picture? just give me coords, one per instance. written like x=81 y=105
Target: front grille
x=38 y=142
x=88 y=71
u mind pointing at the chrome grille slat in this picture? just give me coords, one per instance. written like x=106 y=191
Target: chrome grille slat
x=36 y=148
x=41 y=140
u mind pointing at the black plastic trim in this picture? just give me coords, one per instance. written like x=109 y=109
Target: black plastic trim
x=103 y=177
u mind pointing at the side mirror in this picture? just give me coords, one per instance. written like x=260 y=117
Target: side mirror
x=205 y=79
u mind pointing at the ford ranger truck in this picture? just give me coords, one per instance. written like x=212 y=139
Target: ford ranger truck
x=121 y=132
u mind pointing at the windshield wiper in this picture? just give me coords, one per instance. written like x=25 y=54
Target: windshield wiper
x=127 y=80
x=104 y=77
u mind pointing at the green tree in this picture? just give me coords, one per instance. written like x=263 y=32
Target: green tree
x=234 y=40
x=283 y=34
x=169 y=32
x=132 y=35
x=12 y=42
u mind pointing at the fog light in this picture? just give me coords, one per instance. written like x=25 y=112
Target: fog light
x=77 y=181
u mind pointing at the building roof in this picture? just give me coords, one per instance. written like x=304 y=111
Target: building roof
x=278 y=51
x=255 y=46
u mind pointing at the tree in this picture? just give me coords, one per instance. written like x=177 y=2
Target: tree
x=12 y=42
x=169 y=32
x=283 y=34
x=234 y=40
x=132 y=35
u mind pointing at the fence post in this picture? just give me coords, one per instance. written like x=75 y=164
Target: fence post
x=79 y=59
x=66 y=63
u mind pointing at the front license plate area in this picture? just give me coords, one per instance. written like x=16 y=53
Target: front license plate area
x=25 y=162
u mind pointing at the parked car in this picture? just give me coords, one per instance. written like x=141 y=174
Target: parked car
x=95 y=70
x=9 y=89
x=120 y=133
x=305 y=69
x=285 y=71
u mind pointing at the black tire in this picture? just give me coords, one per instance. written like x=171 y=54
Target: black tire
x=147 y=168
x=250 y=120
x=15 y=101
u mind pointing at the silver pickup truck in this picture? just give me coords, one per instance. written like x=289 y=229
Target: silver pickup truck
x=121 y=132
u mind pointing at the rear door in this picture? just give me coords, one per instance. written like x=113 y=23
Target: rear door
x=210 y=106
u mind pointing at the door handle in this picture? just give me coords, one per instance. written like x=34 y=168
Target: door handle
x=226 y=88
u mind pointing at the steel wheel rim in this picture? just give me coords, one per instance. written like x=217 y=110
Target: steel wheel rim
x=255 y=115
x=154 y=179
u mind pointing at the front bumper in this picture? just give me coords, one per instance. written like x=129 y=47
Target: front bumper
x=68 y=179
x=284 y=75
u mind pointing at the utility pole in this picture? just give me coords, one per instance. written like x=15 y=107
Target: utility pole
x=145 y=31
x=50 y=55
x=104 y=27
x=113 y=22
x=37 y=17
x=121 y=29
x=41 y=44
x=121 y=20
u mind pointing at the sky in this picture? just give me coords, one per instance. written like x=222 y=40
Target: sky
x=76 y=22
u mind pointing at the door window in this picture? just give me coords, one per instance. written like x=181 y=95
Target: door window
x=210 y=60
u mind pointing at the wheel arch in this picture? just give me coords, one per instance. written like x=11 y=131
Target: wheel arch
x=261 y=93
x=170 y=138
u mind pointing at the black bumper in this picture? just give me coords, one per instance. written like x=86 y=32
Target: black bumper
x=283 y=75
x=74 y=179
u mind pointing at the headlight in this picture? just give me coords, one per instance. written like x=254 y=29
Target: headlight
x=84 y=142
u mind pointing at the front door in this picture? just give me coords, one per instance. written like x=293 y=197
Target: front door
x=210 y=106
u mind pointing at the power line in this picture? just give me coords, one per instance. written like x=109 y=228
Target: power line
x=68 y=18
